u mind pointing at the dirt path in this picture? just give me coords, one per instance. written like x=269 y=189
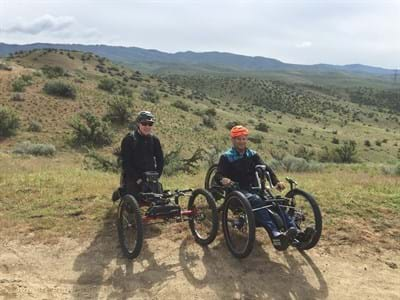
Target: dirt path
x=172 y=266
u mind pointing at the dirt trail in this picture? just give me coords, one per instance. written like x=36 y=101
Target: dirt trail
x=172 y=266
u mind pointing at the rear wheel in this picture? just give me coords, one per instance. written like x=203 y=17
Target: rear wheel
x=306 y=214
x=204 y=220
x=130 y=227
x=238 y=224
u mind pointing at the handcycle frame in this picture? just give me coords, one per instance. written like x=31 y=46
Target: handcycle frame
x=278 y=203
x=160 y=206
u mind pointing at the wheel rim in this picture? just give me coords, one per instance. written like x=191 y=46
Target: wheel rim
x=303 y=213
x=202 y=217
x=237 y=225
x=129 y=227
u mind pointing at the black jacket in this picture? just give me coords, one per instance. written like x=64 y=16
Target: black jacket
x=140 y=154
x=241 y=168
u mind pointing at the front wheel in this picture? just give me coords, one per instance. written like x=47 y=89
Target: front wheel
x=306 y=214
x=203 y=222
x=238 y=224
x=130 y=227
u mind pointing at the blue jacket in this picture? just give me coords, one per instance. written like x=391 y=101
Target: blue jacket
x=241 y=168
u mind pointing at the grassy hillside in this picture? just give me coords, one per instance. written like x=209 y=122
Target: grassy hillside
x=59 y=194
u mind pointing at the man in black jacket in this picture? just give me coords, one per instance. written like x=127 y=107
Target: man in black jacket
x=238 y=165
x=140 y=152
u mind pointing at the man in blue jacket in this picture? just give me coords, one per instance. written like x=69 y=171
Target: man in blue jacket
x=238 y=165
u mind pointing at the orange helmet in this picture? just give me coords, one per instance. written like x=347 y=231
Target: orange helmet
x=239 y=130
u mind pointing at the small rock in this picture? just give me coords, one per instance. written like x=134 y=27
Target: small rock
x=391 y=265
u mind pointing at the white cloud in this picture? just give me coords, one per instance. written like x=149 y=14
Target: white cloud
x=45 y=23
x=305 y=44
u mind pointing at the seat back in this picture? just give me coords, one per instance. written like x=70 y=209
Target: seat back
x=151 y=183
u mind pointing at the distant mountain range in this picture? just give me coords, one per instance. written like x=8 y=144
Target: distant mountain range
x=220 y=62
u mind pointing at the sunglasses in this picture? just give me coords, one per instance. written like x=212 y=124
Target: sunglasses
x=147 y=124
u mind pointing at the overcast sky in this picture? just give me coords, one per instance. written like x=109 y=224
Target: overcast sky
x=307 y=32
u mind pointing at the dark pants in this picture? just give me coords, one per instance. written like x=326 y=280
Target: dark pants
x=263 y=216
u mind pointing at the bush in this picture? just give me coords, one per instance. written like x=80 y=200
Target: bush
x=96 y=161
x=231 y=124
x=367 y=143
x=262 y=127
x=17 y=97
x=107 y=84
x=88 y=130
x=181 y=105
x=9 y=122
x=119 y=110
x=395 y=170
x=53 y=72
x=60 y=88
x=303 y=152
x=174 y=163
x=335 y=140
x=209 y=122
x=347 y=153
x=18 y=85
x=35 y=126
x=295 y=164
x=256 y=139
x=35 y=149
x=150 y=95
x=211 y=112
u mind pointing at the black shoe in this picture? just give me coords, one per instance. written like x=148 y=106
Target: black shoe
x=291 y=234
x=307 y=235
x=280 y=242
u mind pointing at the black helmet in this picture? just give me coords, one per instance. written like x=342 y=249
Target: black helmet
x=144 y=116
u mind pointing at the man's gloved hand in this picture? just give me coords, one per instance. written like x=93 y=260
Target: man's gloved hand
x=280 y=186
x=139 y=181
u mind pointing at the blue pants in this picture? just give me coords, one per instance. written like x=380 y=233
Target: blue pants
x=263 y=216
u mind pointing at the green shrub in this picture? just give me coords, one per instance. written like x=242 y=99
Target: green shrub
x=150 y=96
x=53 y=72
x=119 y=110
x=107 y=84
x=181 y=105
x=35 y=126
x=347 y=153
x=295 y=164
x=367 y=143
x=9 y=122
x=88 y=130
x=335 y=141
x=256 y=138
x=96 y=161
x=231 y=124
x=35 y=149
x=18 y=85
x=303 y=152
x=60 y=88
x=174 y=162
x=393 y=170
x=262 y=127
x=209 y=122
x=211 y=112
x=17 y=97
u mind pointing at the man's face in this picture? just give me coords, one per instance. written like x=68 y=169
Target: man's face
x=145 y=127
x=240 y=142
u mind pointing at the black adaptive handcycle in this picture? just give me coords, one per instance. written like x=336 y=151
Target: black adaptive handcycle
x=237 y=215
x=154 y=205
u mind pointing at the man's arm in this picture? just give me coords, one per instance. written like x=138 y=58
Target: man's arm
x=158 y=153
x=127 y=158
x=222 y=170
